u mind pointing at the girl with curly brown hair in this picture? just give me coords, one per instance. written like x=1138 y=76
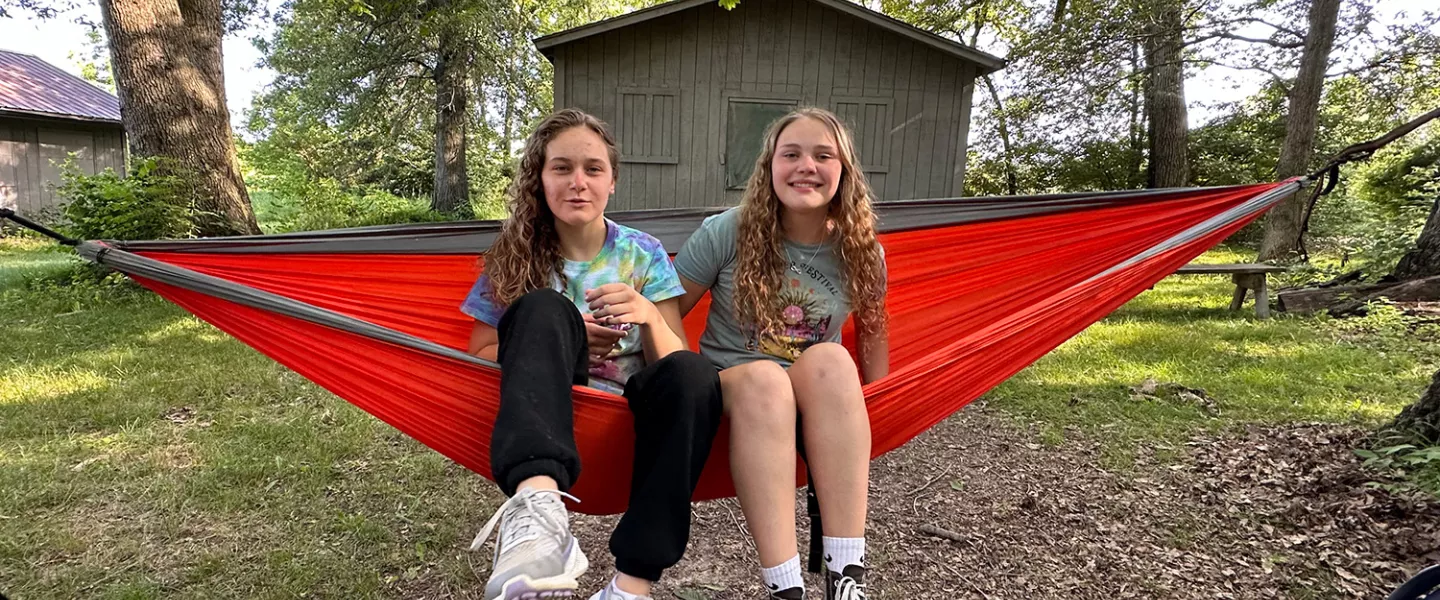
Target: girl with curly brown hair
x=570 y=297
x=784 y=271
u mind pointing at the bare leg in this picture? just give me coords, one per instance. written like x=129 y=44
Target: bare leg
x=538 y=482
x=837 y=435
x=761 y=406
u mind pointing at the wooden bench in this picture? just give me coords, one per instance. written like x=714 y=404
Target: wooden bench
x=1247 y=276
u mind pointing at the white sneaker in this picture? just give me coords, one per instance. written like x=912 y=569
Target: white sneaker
x=535 y=554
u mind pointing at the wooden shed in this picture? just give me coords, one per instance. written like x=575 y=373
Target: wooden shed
x=689 y=88
x=45 y=115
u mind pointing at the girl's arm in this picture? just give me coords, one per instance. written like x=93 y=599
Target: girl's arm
x=693 y=293
x=484 y=342
x=660 y=340
x=873 y=346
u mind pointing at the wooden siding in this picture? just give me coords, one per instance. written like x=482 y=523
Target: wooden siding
x=907 y=104
x=31 y=152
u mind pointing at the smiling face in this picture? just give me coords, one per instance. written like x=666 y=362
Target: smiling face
x=806 y=168
x=578 y=178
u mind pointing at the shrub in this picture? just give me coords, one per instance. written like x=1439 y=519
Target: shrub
x=147 y=203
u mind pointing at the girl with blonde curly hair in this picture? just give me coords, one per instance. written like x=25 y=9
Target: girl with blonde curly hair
x=784 y=271
x=570 y=297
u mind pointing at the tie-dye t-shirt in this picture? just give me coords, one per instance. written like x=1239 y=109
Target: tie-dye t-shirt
x=629 y=256
x=813 y=302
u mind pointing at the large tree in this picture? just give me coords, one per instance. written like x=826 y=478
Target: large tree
x=375 y=65
x=1165 y=94
x=1283 y=223
x=169 y=75
x=171 y=81
x=459 y=79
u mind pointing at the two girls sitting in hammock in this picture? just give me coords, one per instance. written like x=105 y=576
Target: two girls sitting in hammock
x=600 y=304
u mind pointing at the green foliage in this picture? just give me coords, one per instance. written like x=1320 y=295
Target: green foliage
x=290 y=196
x=147 y=203
x=94 y=62
x=322 y=204
x=1404 y=467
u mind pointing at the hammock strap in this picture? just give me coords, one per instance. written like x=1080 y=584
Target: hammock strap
x=1351 y=153
x=6 y=213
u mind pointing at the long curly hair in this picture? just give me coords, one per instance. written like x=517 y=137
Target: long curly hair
x=526 y=254
x=761 y=253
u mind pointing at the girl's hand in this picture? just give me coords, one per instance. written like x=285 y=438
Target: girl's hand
x=601 y=339
x=618 y=304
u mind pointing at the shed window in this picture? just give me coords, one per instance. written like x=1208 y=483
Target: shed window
x=869 y=122
x=746 y=121
x=649 y=130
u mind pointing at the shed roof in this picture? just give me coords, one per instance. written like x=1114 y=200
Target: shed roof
x=988 y=62
x=30 y=86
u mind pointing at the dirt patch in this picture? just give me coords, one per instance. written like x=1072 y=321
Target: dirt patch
x=1269 y=512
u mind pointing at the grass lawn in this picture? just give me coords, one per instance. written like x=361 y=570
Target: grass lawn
x=143 y=454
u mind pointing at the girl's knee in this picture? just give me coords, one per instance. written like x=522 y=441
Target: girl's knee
x=759 y=391
x=825 y=361
x=544 y=299
x=693 y=369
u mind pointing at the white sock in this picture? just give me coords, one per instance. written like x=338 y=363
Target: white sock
x=614 y=591
x=843 y=552
x=785 y=576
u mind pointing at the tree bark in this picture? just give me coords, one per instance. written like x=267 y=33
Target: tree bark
x=1165 y=98
x=1139 y=129
x=1422 y=419
x=1282 y=225
x=1424 y=259
x=1012 y=182
x=170 y=76
x=452 y=180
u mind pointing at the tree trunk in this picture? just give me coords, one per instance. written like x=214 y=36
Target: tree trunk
x=170 y=76
x=1012 y=182
x=1422 y=419
x=1282 y=225
x=1424 y=259
x=1165 y=85
x=452 y=181
x=1138 y=127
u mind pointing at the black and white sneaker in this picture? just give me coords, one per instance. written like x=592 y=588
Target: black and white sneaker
x=795 y=593
x=849 y=584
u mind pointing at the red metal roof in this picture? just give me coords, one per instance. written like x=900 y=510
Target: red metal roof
x=31 y=85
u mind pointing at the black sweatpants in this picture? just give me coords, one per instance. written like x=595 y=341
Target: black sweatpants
x=677 y=406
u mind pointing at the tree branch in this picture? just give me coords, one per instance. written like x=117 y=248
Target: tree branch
x=1297 y=34
x=1271 y=41
x=1375 y=64
x=1281 y=81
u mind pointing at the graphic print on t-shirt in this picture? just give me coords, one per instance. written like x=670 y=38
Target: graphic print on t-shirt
x=805 y=316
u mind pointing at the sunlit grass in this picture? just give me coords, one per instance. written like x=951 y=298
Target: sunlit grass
x=1288 y=368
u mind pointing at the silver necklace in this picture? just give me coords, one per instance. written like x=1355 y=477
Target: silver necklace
x=797 y=270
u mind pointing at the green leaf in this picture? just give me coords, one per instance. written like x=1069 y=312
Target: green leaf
x=729 y=4
x=957 y=485
x=692 y=594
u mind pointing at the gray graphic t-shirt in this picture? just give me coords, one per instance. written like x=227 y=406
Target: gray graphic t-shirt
x=813 y=303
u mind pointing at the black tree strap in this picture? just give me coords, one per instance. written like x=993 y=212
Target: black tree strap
x=6 y=213
x=1364 y=150
x=1329 y=175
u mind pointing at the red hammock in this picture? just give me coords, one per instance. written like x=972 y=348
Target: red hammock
x=979 y=289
